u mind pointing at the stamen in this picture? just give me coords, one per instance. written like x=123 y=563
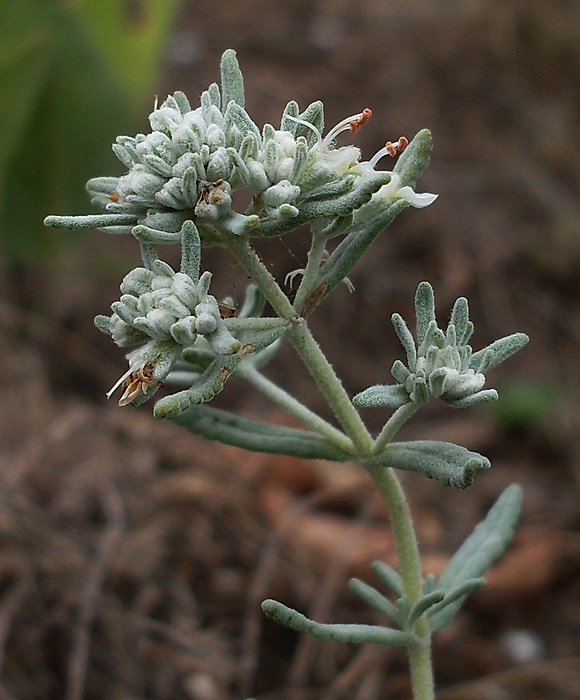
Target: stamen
x=352 y=123
x=390 y=149
x=308 y=125
x=356 y=124
x=118 y=383
x=397 y=147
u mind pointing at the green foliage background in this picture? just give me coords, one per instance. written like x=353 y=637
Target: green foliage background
x=72 y=76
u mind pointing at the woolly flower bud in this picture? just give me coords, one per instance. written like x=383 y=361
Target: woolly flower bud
x=164 y=310
x=440 y=364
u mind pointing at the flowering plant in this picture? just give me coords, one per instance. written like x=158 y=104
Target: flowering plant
x=179 y=189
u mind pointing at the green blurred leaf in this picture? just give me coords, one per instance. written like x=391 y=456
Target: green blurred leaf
x=131 y=36
x=72 y=75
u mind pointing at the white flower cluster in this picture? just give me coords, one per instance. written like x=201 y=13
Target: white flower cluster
x=440 y=364
x=193 y=159
x=164 y=305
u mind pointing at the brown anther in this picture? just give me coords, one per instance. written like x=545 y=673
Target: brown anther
x=246 y=349
x=356 y=124
x=227 y=311
x=397 y=147
x=114 y=196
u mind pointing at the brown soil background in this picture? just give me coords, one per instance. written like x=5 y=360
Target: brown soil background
x=134 y=556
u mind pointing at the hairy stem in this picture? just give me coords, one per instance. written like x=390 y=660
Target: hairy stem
x=260 y=275
x=315 y=255
x=295 y=408
x=410 y=570
x=330 y=385
x=391 y=427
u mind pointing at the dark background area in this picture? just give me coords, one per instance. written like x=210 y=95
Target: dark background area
x=134 y=556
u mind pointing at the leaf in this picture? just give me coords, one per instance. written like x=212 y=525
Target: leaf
x=375 y=599
x=355 y=634
x=232 y=80
x=257 y=436
x=497 y=352
x=415 y=158
x=380 y=395
x=486 y=543
x=447 y=463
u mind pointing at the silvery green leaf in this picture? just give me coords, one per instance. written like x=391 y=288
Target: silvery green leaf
x=392 y=395
x=146 y=234
x=375 y=599
x=460 y=319
x=481 y=549
x=237 y=115
x=400 y=372
x=291 y=125
x=415 y=158
x=455 y=595
x=425 y=312
x=254 y=303
x=190 y=250
x=257 y=436
x=422 y=606
x=498 y=351
x=388 y=577
x=449 y=464
x=102 y=221
x=474 y=399
x=406 y=338
x=103 y=323
x=313 y=114
x=214 y=96
x=210 y=383
x=352 y=633
x=232 y=79
x=330 y=190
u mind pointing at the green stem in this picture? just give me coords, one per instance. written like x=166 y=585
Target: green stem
x=260 y=275
x=315 y=255
x=325 y=377
x=411 y=574
x=391 y=427
x=295 y=408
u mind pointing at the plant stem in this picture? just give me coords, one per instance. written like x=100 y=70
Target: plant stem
x=325 y=377
x=295 y=408
x=400 y=516
x=399 y=417
x=410 y=569
x=315 y=255
x=260 y=275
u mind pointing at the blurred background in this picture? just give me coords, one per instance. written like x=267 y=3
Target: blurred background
x=133 y=556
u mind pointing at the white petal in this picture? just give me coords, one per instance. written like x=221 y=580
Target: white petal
x=419 y=201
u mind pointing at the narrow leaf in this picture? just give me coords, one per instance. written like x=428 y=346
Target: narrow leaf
x=355 y=634
x=447 y=463
x=257 y=436
x=487 y=543
x=232 y=80
x=375 y=599
x=424 y=310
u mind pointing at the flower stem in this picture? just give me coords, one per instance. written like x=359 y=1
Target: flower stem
x=410 y=569
x=295 y=408
x=330 y=385
x=399 y=417
x=260 y=275
x=315 y=255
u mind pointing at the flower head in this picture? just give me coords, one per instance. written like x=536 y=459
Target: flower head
x=440 y=363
